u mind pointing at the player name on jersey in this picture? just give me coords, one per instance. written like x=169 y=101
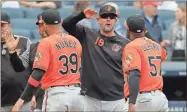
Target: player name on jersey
x=150 y=46
x=66 y=44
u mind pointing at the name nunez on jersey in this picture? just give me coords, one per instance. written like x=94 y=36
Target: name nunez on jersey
x=65 y=43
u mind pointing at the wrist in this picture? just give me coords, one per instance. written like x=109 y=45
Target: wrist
x=12 y=51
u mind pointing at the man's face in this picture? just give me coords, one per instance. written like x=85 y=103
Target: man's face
x=42 y=30
x=107 y=22
x=152 y=10
x=5 y=27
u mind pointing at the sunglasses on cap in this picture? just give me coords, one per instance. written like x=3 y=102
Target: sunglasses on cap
x=106 y=16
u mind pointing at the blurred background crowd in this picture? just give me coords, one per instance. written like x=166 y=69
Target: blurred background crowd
x=165 y=21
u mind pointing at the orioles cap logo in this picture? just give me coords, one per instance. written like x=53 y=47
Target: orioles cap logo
x=108 y=8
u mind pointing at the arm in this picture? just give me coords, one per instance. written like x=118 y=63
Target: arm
x=38 y=5
x=32 y=84
x=16 y=62
x=134 y=83
x=131 y=68
x=71 y=26
x=70 y=23
x=30 y=89
x=40 y=65
x=20 y=63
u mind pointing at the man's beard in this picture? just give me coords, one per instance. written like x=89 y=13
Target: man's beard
x=108 y=29
x=44 y=34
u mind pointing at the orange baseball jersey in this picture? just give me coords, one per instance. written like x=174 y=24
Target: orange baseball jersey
x=146 y=56
x=60 y=57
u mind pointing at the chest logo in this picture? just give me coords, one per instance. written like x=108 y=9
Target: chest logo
x=99 y=41
x=116 y=47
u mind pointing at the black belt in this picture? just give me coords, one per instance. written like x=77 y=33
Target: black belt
x=75 y=85
x=148 y=91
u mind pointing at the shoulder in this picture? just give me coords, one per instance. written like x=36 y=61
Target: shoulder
x=122 y=39
x=174 y=24
x=133 y=44
x=22 y=37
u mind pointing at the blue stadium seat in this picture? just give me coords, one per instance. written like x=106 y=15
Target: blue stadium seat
x=31 y=12
x=24 y=23
x=166 y=14
x=65 y=12
x=165 y=34
x=167 y=23
x=128 y=11
x=22 y=32
x=122 y=20
x=36 y=34
x=14 y=12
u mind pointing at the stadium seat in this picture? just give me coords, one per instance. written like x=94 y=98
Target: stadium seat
x=122 y=20
x=22 y=32
x=32 y=12
x=14 y=12
x=36 y=34
x=165 y=34
x=65 y=12
x=24 y=23
x=128 y=11
x=166 y=14
x=167 y=23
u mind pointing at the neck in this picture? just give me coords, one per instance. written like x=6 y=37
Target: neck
x=55 y=31
x=182 y=22
x=148 y=15
x=107 y=34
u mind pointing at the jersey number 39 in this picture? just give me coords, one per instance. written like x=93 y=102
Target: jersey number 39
x=70 y=64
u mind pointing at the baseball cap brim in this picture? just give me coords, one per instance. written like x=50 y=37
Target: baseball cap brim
x=109 y=13
x=38 y=22
x=5 y=22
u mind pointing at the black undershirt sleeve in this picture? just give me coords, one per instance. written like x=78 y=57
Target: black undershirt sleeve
x=16 y=62
x=134 y=83
x=69 y=23
x=30 y=90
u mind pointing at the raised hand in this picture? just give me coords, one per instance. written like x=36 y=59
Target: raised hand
x=89 y=13
x=18 y=105
x=10 y=41
x=33 y=103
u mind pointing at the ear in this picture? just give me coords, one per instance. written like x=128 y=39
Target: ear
x=116 y=19
x=126 y=26
x=145 y=30
x=97 y=18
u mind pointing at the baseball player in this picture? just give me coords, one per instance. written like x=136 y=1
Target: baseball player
x=25 y=60
x=102 y=75
x=142 y=60
x=12 y=83
x=56 y=67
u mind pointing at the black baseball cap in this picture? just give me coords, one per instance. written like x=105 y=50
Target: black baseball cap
x=51 y=16
x=135 y=23
x=38 y=18
x=5 y=18
x=108 y=9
